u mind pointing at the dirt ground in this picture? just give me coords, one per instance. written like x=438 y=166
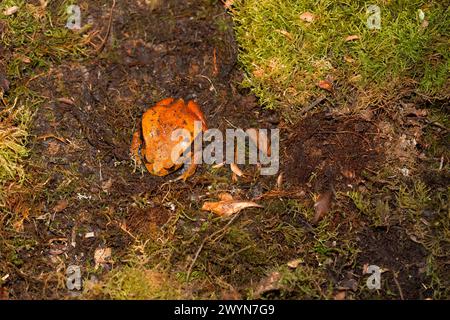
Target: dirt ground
x=84 y=180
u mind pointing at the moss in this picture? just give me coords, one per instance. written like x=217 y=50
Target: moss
x=135 y=283
x=286 y=57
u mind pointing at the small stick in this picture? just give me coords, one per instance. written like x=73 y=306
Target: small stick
x=215 y=70
x=108 y=31
x=212 y=235
x=398 y=286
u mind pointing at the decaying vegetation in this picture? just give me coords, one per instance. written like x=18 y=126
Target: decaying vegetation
x=364 y=152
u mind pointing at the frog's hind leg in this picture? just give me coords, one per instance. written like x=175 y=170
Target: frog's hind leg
x=187 y=173
x=165 y=102
x=191 y=169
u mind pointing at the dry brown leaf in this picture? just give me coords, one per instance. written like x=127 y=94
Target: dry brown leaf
x=225 y=196
x=66 y=101
x=60 y=205
x=285 y=33
x=11 y=10
x=307 y=17
x=102 y=256
x=340 y=295
x=294 y=263
x=424 y=24
x=236 y=170
x=219 y=165
x=228 y=3
x=4 y=293
x=106 y=185
x=349 y=59
x=326 y=85
x=352 y=37
x=258 y=73
x=226 y=208
x=322 y=206
x=53 y=148
x=280 y=181
x=43 y=3
x=271 y=282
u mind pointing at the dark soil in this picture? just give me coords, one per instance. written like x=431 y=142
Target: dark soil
x=183 y=49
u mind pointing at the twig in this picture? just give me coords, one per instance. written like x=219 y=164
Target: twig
x=211 y=236
x=313 y=104
x=108 y=31
x=398 y=286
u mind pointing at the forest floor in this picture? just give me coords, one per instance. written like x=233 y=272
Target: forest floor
x=75 y=197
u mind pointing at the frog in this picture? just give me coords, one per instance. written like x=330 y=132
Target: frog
x=152 y=142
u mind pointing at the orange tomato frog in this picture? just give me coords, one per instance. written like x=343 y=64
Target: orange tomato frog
x=152 y=142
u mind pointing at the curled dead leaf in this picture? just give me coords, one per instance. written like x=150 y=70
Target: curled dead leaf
x=60 y=205
x=228 y=4
x=226 y=208
x=352 y=38
x=326 y=85
x=280 y=181
x=270 y=283
x=286 y=34
x=322 y=206
x=307 y=17
x=340 y=295
x=294 y=263
x=11 y=10
x=236 y=170
x=102 y=256
x=225 y=196
x=218 y=165
x=66 y=101
x=349 y=59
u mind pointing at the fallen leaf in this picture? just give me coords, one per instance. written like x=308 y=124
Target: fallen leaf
x=352 y=38
x=326 y=85
x=66 y=101
x=340 y=295
x=219 y=165
x=270 y=283
x=294 y=263
x=43 y=3
x=4 y=293
x=228 y=3
x=106 y=185
x=349 y=59
x=4 y=83
x=226 y=208
x=322 y=206
x=286 y=34
x=307 y=17
x=280 y=181
x=102 y=256
x=60 y=205
x=365 y=268
x=348 y=173
x=24 y=59
x=258 y=73
x=225 y=196
x=11 y=10
x=236 y=170
x=424 y=24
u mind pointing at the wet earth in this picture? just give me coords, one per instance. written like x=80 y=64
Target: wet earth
x=85 y=182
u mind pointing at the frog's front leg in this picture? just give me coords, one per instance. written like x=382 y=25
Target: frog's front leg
x=136 y=143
